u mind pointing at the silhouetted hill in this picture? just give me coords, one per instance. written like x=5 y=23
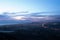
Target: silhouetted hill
x=31 y=31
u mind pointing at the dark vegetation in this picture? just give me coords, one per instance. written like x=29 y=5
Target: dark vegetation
x=33 y=31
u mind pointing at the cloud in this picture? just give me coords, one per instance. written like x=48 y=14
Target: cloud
x=44 y=16
x=5 y=17
x=44 y=13
x=38 y=16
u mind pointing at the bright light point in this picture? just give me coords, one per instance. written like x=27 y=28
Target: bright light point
x=19 y=18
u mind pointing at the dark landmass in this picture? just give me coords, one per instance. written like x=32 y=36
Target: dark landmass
x=31 y=31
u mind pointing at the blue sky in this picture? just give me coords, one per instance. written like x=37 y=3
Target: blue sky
x=28 y=9
x=29 y=5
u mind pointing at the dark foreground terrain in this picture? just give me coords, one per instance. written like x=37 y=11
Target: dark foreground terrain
x=33 y=31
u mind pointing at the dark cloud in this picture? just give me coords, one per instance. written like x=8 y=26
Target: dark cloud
x=45 y=13
x=35 y=16
x=4 y=17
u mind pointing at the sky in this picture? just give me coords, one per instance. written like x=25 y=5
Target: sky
x=29 y=5
x=29 y=9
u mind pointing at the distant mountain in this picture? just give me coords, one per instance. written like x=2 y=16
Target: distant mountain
x=9 y=22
